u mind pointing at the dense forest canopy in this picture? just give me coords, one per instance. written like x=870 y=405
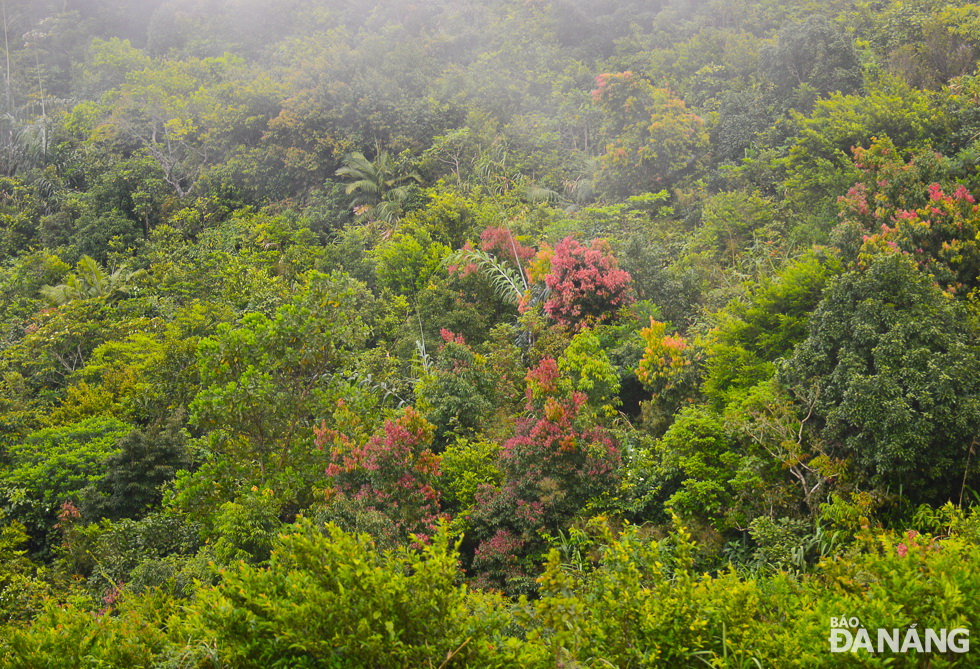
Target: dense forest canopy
x=531 y=333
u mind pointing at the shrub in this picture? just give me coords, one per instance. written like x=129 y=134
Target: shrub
x=330 y=599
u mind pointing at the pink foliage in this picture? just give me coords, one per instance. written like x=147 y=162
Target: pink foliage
x=963 y=194
x=498 y=559
x=586 y=284
x=500 y=242
x=464 y=270
x=451 y=337
x=542 y=380
x=605 y=80
x=394 y=472
x=552 y=467
x=894 y=209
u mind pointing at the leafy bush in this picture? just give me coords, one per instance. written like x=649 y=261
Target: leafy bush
x=330 y=599
x=550 y=469
x=891 y=368
x=394 y=472
x=458 y=392
x=52 y=466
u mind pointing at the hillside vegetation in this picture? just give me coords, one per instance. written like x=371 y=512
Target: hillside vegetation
x=507 y=333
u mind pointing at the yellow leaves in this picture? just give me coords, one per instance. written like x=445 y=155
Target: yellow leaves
x=540 y=266
x=553 y=410
x=665 y=357
x=179 y=129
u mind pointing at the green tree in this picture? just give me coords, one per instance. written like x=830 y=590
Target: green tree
x=457 y=394
x=328 y=597
x=590 y=371
x=186 y=115
x=50 y=467
x=146 y=460
x=755 y=331
x=654 y=139
x=89 y=280
x=890 y=367
x=812 y=53
x=407 y=261
x=264 y=381
x=719 y=482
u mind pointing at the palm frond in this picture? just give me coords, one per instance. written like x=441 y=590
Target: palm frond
x=507 y=283
x=538 y=194
x=89 y=280
x=55 y=295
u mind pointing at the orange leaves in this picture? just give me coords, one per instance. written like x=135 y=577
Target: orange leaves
x=665 y=357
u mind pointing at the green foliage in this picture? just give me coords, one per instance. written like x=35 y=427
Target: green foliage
x=50 y=467
x=21 y=591
x=735 y=222
x=769 y=423
x=329 y=599
x=109 y=553
x=815 y=54
x=638 y=603
x=246 y=528
x=181 y=112
x=145 y=462
x=755 y=331
x=890 y=368
x=720 y=482
x=588 y=367
x=56 y=343
x=466 y=465
x=74 y=637
x=406 y=262
x=380 y=189
x=638 y=606
x=20 y=209
x=457 y=393
x=653 y=138
x=88 y=281
x=97 y=235
x=223 y=287
x=262 y=380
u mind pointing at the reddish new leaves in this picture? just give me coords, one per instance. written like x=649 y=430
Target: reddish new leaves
x=551 y=468
x=394 y=472
x=500 y=242
x=896 y=209
x=586 y=284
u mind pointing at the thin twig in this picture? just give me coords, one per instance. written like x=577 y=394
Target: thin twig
x=966 y=470
x=453 y=654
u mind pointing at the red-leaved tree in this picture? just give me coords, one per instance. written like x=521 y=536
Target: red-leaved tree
x=587 y=287
x=551 y=468
x=900 y=207
x=394 y=472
